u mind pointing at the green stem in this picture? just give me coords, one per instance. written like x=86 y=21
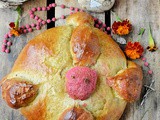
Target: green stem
x=117 y=17
x=151 y=41
x=141 y=32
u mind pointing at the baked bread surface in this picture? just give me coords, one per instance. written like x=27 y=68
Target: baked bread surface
x=45 y=60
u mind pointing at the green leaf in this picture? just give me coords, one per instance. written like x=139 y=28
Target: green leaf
x=19 y=10
x=141 y=31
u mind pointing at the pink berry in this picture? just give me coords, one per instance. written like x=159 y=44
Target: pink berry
x=9 y=35
x=27 y=26
x=34 y=9
x=81 y=10
x=63 y=17
x=50 y=5
x=95 y=19
x=71 y=8
x=6 y=36
x=22 y=27
x=31 y=16
x=146 y=64
x=54 y=4
x=25 y=31
x=108 y=28
x=39 y=8
x=48 y=8
x=76 y=9
x=36 y=17
x=3 y=45
x=38 y=27
x=39 y=20
x=9 y=43
x=104 y=25
x=48 y=20
x=43 y=22
x=53 y=19
x=38 y=23
x=7 y=50
x=97 y=26
x=101 y=29
x=5 y=41
x=150 y=72
x=44 y=8
x=30 y=30
x=30 y=12
x=32 y=24
x=99 y=22
x=71 y=13
x=144 y=59
x=62 y=6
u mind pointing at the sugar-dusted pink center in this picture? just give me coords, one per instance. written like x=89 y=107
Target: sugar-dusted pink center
x=81 y=82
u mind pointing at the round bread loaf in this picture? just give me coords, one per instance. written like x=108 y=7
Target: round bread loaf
x=72 y=72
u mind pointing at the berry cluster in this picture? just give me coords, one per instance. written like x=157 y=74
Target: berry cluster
x=40 y=22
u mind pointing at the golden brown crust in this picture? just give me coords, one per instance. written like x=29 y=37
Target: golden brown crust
x=80 y=18
x=46 y=59
x=18 y=93
x=76 y=113
x=37 y=111
x=85 y=47
x=128 y=83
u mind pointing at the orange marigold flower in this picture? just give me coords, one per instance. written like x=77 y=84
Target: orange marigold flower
x=122 y=27
x=15 y=32
x=134 y=50
x=14 y=29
